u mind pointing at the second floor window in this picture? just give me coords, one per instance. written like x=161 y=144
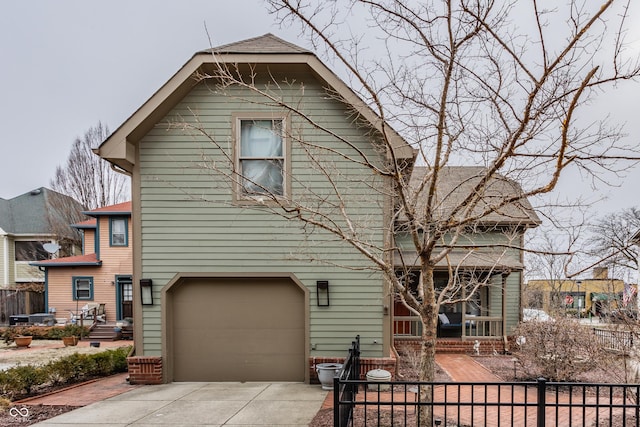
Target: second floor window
x=30 y=251
x=118 y=228
x=261 y=157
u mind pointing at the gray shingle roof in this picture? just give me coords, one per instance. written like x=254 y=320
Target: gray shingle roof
x=267 y=43
x=33 y=212
x=456 y=182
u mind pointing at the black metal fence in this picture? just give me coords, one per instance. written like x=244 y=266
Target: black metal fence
x=538 y=404
x=345 y=386
x=617 y=340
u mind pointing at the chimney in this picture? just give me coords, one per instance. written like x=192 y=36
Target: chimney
x=601 y=273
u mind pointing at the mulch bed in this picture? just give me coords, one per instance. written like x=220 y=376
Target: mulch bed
x=25 y=415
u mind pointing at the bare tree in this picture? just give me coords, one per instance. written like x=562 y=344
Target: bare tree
x=494 y=84
x=555 y=252
x=88 y=178
x=612 y=239
x=550 y=263
x=62 y=212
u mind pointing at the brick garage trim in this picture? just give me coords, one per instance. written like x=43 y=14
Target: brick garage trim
x=145 y=370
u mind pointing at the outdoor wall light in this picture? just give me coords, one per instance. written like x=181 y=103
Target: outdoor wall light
x=146 y=291
x=322 y=293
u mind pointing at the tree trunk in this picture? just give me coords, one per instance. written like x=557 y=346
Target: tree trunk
x=429 y=316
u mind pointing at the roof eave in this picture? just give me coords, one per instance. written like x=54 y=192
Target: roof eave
x=119 y=147
x=107 y=213
x=67 y=264
x=84 y=227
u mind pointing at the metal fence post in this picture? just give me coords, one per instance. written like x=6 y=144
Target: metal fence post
x=336 y=402
x=542 y=401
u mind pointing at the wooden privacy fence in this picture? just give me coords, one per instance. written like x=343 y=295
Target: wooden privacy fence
x=16 y=301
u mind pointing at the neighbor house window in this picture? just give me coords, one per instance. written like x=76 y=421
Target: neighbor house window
x=118 y=232
x=83 y=288
x=261 y=151
x=30 y=251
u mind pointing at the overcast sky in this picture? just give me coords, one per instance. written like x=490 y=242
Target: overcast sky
x=65 y=65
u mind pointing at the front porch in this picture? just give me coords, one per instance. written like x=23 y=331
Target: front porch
x=468 y=327
x=486 y=330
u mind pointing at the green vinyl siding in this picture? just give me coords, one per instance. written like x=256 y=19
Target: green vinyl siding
x=512 y=303
x=479 y=239
x=190 y=224
x=514 y=281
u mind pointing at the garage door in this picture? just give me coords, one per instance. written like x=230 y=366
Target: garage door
x=237 y=330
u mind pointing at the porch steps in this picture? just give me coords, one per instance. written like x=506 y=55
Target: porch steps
x=102 y=332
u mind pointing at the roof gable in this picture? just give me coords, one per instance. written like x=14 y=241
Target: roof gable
x=35 y=212
x=119 y=147
x=267 y=43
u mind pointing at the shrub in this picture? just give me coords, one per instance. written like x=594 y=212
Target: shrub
x=558 y=351
x=42 y=332
x=9 y=334
x=21 y=380
x=70 y=330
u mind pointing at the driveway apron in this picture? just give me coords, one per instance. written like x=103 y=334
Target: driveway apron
x=202 y=404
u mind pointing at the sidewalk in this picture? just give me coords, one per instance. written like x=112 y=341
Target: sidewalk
x=83 y=394
x=462 y=368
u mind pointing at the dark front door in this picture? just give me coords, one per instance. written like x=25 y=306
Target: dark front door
x=125 y=299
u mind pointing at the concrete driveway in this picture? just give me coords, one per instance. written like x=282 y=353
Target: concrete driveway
x=202 y=404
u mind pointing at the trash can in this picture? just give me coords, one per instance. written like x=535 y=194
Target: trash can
x=378 y=376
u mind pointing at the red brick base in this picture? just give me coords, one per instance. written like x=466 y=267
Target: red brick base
x=148 y=369
x=145 y=369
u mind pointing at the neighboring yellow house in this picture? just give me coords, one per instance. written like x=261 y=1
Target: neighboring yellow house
x=102 y=274
x=597 y=296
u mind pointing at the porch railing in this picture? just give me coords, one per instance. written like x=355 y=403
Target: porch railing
x=407 y=326
x=483 y=326
x=475 y=327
